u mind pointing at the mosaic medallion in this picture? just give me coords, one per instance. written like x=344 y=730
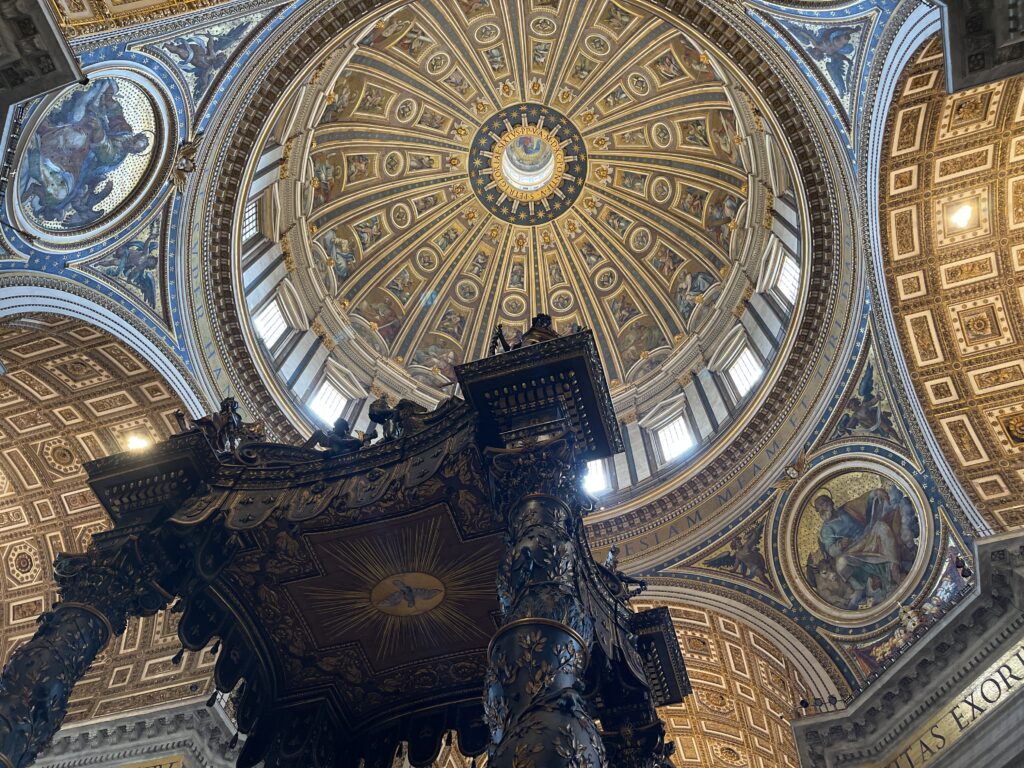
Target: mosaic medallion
x=528 y=164
x=88 y=154
x=858 y=537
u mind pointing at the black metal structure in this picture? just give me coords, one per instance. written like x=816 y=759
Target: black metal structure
x=381 y=592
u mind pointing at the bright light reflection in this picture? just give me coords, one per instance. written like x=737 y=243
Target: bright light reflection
x=962 y=216
x=596 y=481
x=138 y=442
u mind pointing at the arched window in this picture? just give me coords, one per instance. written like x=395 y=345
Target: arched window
x=787 y=282
x=270 y=323
x=597 y=481
x=675 y=438
x=328 y=402
x=250 y=220
x=745 y=371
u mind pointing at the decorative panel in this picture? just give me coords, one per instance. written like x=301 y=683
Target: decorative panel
x=71 y=394
x=954 y=271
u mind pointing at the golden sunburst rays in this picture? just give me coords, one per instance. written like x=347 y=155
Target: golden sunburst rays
x=412 y=559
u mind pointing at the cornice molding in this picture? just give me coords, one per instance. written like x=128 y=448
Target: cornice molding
x=919 y=683
x=201 y=734
x=169 y=26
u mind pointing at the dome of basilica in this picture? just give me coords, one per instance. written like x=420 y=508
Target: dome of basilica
x=544 y=164
x=448 y=169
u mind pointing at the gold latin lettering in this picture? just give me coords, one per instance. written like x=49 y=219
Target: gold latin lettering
x=990 y=682
x=988 y=691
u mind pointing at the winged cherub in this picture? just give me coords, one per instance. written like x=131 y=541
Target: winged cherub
x=832 y=46
x=865 y=413
x=744 y=557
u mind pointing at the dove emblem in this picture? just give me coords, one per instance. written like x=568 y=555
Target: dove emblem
x=407 y=594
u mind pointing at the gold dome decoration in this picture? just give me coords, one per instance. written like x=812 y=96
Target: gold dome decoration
x=504 y=168
x=642 y=257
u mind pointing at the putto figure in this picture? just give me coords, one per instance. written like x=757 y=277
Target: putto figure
x=337 y=441
x=223 y=429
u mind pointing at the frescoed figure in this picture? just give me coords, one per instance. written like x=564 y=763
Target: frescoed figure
x=666 y=261
x=555 y=272
x=338 y=101
x=590 y=254
x=866 y=545
x=135 y=265
x=203 y=55
x=452 y=323
x=698 y=64
x=381 y=34
x=832 y=48
x=328 y=171
x=866 y=414
x=339 y=250
x=616 y=18
x=383 y=315
x=695 y=132
x=693 y=202
x=65 y=177
x=690 y=286
x=475 y=7
x=725 y=135
x=623 y=309
x=640 y=337
x=667 y=67
x=401 y=286
x=369 y=232
x=518 y=277
x=415 y=42
x=479 y=264
x=437 y=355
x=721 y=213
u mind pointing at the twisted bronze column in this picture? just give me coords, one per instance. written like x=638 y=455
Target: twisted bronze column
x=533 y=692
x=98 y=594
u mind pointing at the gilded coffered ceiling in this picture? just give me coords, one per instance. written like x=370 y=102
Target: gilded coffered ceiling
x=475 y=163
x=952 y=221
x=81 y=17
x=71 y=394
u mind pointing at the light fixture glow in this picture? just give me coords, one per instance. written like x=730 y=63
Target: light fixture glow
x=962 y=216
x=138 y=442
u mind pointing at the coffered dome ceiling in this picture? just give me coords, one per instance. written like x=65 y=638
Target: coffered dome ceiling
x=475 y=165
x=434 y=170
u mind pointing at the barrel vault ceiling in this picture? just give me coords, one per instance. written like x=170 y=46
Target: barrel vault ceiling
x=952 y=221
x=72 y=393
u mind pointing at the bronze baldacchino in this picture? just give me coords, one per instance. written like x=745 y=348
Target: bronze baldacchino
x=372 y=597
